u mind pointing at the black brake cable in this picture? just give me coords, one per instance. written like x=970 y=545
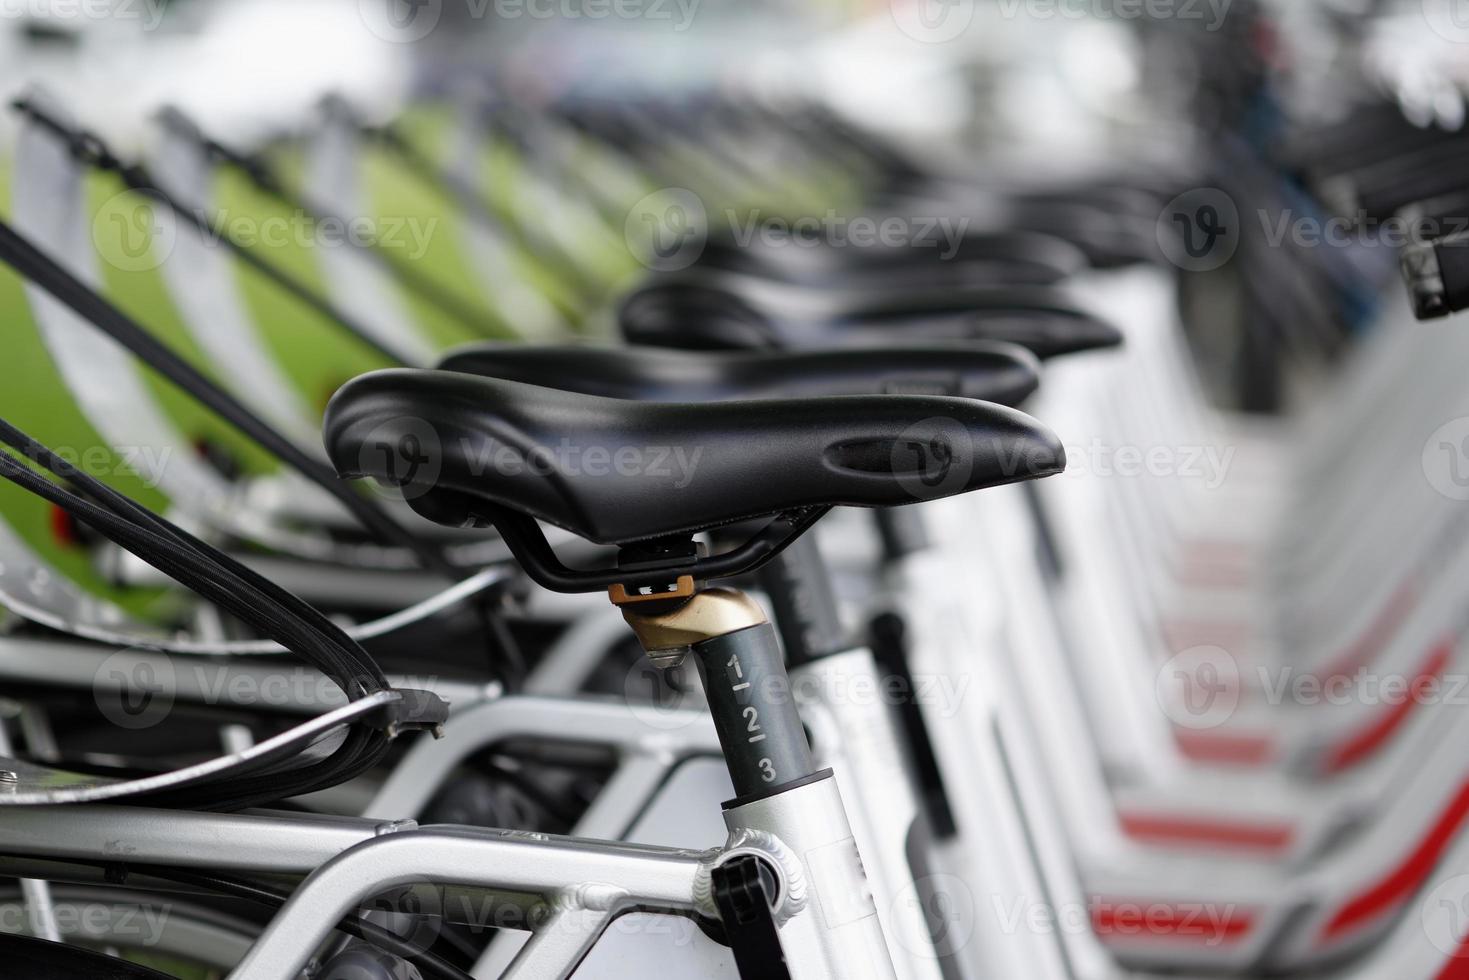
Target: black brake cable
x=265 y=179
x=276 y=613
x=34 y=264
x=124 y=507
x=88 y=148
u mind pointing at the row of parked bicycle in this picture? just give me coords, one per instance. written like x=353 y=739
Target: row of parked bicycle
x=324 y=457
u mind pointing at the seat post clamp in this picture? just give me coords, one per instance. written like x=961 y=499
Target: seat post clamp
x=668 y=628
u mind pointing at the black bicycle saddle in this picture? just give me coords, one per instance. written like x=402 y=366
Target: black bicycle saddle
x=939 y=257
x=466 y=448
x=708 y=315
x=993 y=372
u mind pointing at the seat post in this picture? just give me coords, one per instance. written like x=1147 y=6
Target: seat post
x=743 y=672
x=788 y=815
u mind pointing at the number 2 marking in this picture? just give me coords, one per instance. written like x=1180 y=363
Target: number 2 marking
x=752 y=717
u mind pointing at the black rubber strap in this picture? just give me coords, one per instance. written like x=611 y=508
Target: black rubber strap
x=36 y=265
x=743 y=892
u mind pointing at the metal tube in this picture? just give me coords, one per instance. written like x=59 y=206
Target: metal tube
x=754 y=712
x=256 y=842
x=591 y=875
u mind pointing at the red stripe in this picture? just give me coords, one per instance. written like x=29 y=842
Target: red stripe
x=1236 y=750
x=1395 y=889
x=1361 y=745
x=1220 y=549
x=1164 y=922
x=1184 y=830
x=1370 y=643
x=1180 y=634
x=1214 y=576
x=1457 y=968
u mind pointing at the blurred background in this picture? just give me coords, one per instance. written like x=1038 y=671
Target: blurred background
x=1261 y=196
x=1242 y=96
